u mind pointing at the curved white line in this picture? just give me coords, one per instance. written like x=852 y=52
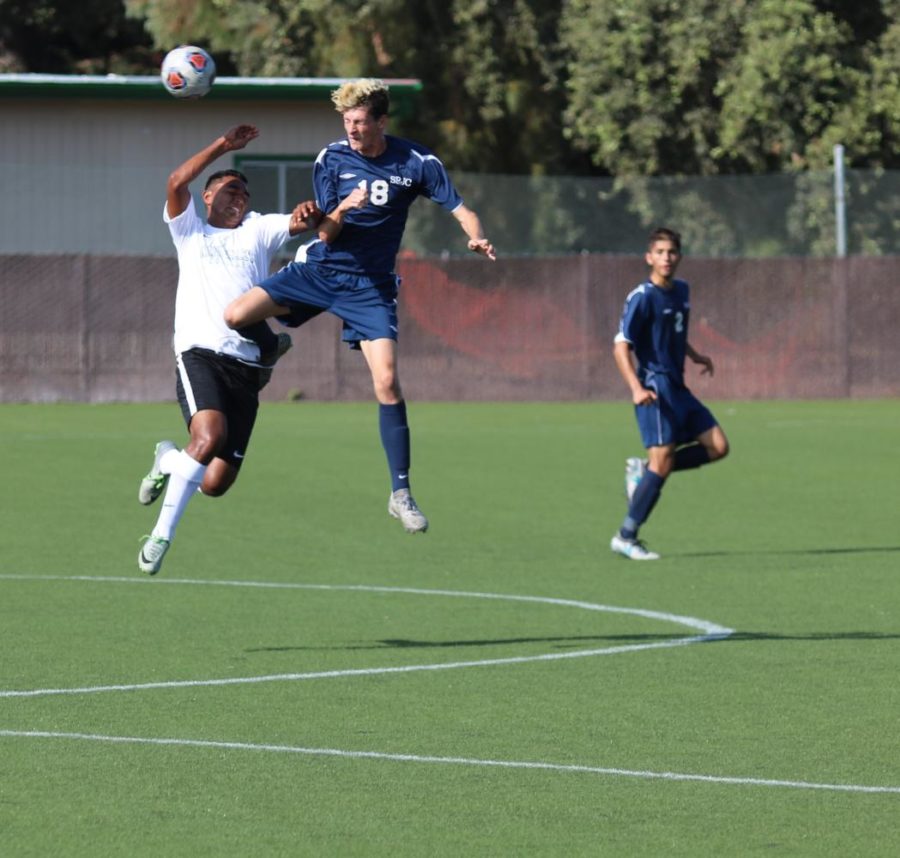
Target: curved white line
x=459 y=761
x=712 y=632
x=691 y=622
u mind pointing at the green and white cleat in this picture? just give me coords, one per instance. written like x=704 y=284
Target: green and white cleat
x=634 y=471
x=401 y=505
x=153 y=484
x=633 y=549
x=152 y=553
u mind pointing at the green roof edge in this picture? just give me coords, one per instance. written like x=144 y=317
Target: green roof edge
x=34 y=85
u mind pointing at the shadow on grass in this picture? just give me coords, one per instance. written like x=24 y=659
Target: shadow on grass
x=580 y=640
x=867 y=549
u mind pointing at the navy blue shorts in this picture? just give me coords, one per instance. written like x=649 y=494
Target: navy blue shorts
x=676 y=417
x=368 y=309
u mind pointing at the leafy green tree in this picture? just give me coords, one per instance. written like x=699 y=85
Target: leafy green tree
x=490 y=69
x=642 y=81
x=659 y=87
x=59 y=37
x=785 y=89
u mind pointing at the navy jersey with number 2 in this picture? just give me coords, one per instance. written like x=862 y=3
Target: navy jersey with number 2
x=655 y=323
x=394 y=179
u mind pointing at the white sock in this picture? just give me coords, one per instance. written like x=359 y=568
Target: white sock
x=168 y=462
x=184 y=480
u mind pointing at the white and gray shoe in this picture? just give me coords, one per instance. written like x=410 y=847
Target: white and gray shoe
x=152 y=552
x=153 y=484
x=633 y=549
x=635 y=469
x=401 y=505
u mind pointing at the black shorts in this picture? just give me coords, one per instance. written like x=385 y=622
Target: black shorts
x=209 y=381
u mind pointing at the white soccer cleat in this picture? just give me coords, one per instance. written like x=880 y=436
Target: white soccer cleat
x=153 y=484
x=633 y=549
x=401 y=505
x=152 y=553
x=634 y=471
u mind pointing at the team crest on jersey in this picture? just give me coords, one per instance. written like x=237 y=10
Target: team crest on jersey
x=401 y=180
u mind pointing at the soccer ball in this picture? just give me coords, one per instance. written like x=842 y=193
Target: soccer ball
x=188 y=72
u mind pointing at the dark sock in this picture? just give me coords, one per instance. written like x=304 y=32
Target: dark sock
x=691 y=456
x=395 y=439
x=645 y=497
x=263 y=336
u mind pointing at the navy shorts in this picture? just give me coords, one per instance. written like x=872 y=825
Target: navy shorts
x=676 y=417
x=367 y=308
x=209 y=381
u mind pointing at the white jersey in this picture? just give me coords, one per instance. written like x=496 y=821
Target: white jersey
x=215 y=266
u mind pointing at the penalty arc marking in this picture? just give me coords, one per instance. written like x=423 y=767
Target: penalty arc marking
x=709 y=632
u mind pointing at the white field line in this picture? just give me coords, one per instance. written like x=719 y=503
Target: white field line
x=711 y=631
x=458 y=761
x=691 y=622
x=365 y=671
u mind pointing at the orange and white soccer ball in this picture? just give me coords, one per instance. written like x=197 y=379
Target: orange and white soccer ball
x=188 y=72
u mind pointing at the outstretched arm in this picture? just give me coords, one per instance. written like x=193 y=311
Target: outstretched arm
x=703 y=360
x=177 y=193
x=306 y=215
x=331 y=224
x=471 y=226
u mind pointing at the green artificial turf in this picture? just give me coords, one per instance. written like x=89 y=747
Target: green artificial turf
x=304 y=678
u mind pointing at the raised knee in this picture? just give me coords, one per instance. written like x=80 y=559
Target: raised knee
x=720 y=451
x=232 y=316
x=214 y=488
x=204 y=446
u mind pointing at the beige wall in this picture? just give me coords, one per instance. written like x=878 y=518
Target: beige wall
x=88 y=176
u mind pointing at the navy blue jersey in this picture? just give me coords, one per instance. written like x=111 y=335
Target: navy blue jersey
x=370 y=237
x=655 y=323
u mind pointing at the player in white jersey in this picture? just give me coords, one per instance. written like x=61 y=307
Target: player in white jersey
x=220 y=371
x=366 y=183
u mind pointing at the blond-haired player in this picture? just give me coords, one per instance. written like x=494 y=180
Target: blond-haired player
x=365 y=184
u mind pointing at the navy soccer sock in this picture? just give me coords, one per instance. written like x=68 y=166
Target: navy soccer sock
x=691 y=456
x=263 y=336
x=395 y=439
x=645 y=497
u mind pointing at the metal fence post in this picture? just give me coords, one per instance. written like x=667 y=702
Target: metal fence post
x=840 y=203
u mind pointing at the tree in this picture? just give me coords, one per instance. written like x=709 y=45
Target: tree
x=642 y=80
x=57 y=36
x=658 y=87
x=493 y=99
x=796 y=75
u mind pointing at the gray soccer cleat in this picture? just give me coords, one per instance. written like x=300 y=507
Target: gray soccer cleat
x=268 y=361
x=634 y=471
x=152 y=553
x=401 y=505
x=633 y=549
x=153 y=484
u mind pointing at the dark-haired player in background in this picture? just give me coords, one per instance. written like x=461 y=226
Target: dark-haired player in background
x=365 y=184
x=219 y=371
x=677 y=429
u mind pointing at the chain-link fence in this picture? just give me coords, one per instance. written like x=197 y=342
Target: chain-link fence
x=87 y=284
x=117 y=209
x=731 y=216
